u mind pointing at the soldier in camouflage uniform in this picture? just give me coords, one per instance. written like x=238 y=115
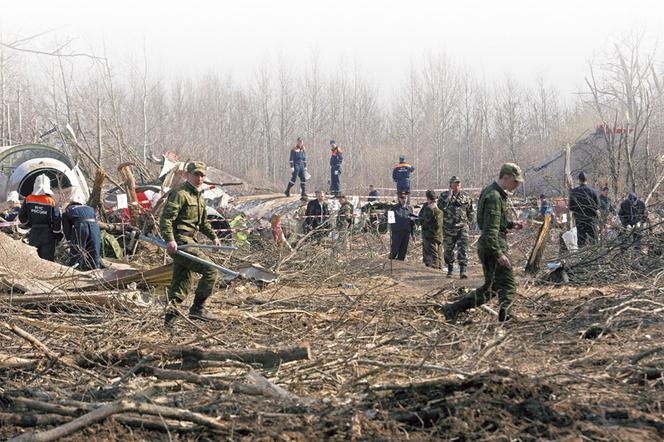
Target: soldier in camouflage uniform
x=184 y=215
x=492 y=248
x=431 y=220
x=344 y=220
x=457 y=209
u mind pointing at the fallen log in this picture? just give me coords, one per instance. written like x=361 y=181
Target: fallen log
x=191 y=356
x=31 y=420
x=123 y=406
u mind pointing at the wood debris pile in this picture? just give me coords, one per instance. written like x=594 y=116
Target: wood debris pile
x=343 y=346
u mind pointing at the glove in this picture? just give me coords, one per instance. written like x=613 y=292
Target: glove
x=292 y=169
x=337 y=172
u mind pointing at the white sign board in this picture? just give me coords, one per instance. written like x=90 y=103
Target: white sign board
x=390 y=217
x=122 y=201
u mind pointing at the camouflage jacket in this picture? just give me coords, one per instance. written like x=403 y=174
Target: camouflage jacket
x=457 y=210
x=185 y=210
x=345 y=216
x=493 y=220
x=431 y=220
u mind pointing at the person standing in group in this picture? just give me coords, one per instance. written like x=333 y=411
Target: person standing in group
x=184 y=215
x=633 y=216
x=317 y=214
x=605 y=208
x=492 y=247
x=79 y=224
x=43 y=217
x=401 y=175
x=431 y=220
x=402 y=229
x=298 y=167
x=336 y=158
x=373 y=194
x=585 y=204
x=457 y=207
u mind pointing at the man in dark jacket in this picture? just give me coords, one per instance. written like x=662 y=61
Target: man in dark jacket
x=373 y=194
x=317 y=213
x=584 y=204
x=633 y=215
x=41 y=215
x=336 y=158
x=402 y=229
x=298 y=167
x=401 y=175
x=79 y=224
x=605 y=208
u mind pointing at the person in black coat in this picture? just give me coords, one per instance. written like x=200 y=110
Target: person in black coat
x=317 y=213
x=402 y=229
x=585 y=204
x=633 y=213
x=373 y=194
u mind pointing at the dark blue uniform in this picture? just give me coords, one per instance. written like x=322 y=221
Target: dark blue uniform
x=298 y=162
x=39 y=213
x=402 y=229
x=81 y=229
x=336 y=158
x=401 y=175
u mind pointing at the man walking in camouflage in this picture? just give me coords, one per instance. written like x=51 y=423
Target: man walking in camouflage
x=184 y=215
x=492 y=248
x=431 y=220
x=457 y=208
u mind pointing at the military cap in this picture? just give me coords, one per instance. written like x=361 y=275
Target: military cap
x=197 y=166
x=512 y=169
x=455 y=179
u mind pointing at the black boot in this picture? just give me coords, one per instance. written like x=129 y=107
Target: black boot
x=462 y=272
x=452 y=310
x=170 y=316
x=450 y=269
x=200 y=313
x=288 y=188
x=304 y=189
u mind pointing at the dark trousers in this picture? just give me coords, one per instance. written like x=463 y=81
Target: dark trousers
x=85 y=246
x=183 y=273
x=498 y=280
x=44 y=240
x=399 y=246
x=298 y=172
x=431 y=253
x=585 y=231
x=335 y=181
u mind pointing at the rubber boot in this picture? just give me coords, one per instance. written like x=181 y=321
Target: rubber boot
x=287 y=192
x=450 y=269
x=199 y=313
x=304 y=189
x=462 y=272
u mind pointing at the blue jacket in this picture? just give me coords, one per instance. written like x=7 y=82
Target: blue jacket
x=336 y=158
x=298 y=158
x=401 y=174
x=403 y=217
x=74 y=215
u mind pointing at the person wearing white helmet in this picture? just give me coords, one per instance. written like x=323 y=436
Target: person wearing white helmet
x=41 y=215
x=11 y=208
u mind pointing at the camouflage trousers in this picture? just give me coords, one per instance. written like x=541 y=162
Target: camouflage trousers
x=431 y=252
x=457 y=238
x=183 y=274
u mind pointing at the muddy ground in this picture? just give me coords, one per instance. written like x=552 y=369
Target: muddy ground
x=578 y=363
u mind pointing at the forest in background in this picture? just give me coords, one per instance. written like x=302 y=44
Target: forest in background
x=446 y=118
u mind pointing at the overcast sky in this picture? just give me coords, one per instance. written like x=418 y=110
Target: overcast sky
x=527 y=38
